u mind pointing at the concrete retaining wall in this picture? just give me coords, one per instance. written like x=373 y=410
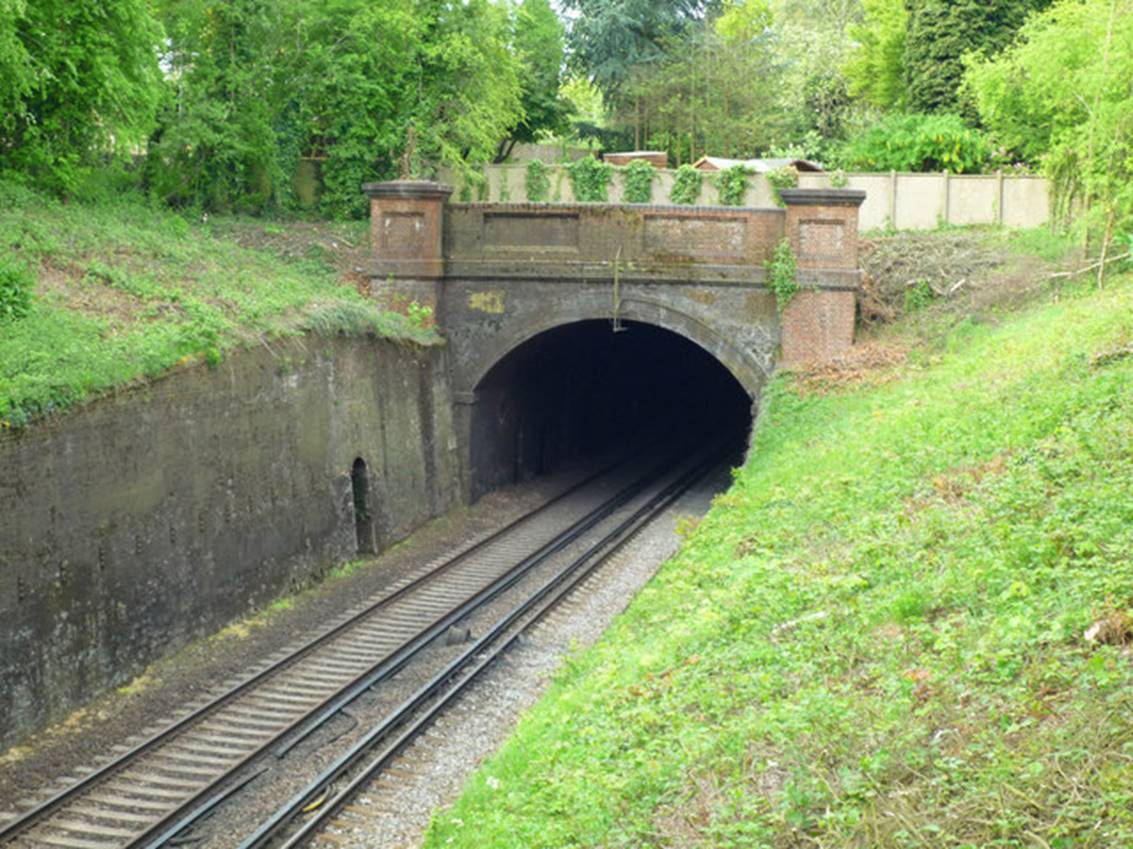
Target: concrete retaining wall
x=163 y=512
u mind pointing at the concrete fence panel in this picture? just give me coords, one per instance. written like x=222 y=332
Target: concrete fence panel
x=900 y=200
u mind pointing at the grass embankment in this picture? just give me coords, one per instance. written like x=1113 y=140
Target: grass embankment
x=127 y=290
x=876 y=638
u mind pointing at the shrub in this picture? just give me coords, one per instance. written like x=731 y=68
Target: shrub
x=590 y=180
x=732 y=184
x=782 y=271
x=901 y=142
x=686 y=186
x=538 y=183
x=638 y=178
x=16 y=283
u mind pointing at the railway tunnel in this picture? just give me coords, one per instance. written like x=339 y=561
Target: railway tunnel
x=590 y=390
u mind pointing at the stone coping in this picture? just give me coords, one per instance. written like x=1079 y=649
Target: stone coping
x=570 y=206
x=408 y=189
x=823 y=197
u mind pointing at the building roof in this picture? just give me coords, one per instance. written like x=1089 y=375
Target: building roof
x=759 y=166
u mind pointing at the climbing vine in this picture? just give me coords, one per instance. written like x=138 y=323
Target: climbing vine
x=732 y=184
x=782 y=178
x=638 y=181
x=538 y=183
x=590 y=180
x=686 y=186
x=782 y=274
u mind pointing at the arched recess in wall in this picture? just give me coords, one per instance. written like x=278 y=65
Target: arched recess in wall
x=363 y=513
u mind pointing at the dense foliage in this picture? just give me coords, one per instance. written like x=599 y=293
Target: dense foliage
x=368 y=89
x=942 y=32
x=903 y=142
x=538 y=184
x=1064 y=93
x=79 y=82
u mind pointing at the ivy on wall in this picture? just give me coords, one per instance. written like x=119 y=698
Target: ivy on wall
x=786 y=177
x=538 y=183
x=686 y=186
x=732 y=184
x=590 y=180
x=637 y=179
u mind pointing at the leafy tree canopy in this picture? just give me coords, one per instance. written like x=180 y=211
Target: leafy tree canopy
x=875 y=70
x=1063 y=93
x=942 y=32
x=77 y=80
x=609 y=38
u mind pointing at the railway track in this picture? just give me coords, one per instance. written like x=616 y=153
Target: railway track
x=152 y=793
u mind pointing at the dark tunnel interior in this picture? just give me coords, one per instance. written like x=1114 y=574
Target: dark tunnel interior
x=582 y=392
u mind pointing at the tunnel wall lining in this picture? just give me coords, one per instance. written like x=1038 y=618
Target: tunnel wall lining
x=163 y=512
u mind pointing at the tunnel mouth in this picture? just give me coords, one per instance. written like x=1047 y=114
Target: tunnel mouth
x=590 y=391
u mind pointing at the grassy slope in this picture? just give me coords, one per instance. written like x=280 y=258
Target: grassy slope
x=126 y=291
x=875 y=639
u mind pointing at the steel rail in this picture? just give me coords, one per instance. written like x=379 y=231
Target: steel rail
x=545 y=598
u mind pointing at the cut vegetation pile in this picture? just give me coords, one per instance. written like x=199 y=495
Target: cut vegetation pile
x=124 y=291
x=908 y=624
x=971 y=268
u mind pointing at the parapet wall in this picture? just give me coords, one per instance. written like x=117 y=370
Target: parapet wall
x=163 y=512
x=659 y=243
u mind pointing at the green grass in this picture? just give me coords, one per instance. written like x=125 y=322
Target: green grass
x=126 y=291
x=875 y=638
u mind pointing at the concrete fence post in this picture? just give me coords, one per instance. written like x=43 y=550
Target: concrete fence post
x=893 y=199
x=999 y=216
x=406 y=242
x=946 y=201
x=817 y=325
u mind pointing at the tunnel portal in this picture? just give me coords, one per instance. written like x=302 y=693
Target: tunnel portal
x=587 y=390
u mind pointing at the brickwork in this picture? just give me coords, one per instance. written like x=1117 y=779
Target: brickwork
x=406 y=225
x=818 y=327
x=500 y=273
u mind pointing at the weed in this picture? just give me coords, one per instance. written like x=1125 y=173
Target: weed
x=16 y=285
x=782 y=274
x=918 y=295
x=782 y=178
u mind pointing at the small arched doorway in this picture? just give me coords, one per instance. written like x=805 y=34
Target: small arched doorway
x=363 y=520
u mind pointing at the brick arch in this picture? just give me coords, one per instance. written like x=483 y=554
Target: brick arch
x=749 y=372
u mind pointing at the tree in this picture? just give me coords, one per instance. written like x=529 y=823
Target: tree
x=539 y=43
x=77 y=81
x=216 y=144
x=941 y=33
x=744 y=20
x=875 y=70
x=610 y=38
x=370 y=88
x=699 y=97
x=1063 y=94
